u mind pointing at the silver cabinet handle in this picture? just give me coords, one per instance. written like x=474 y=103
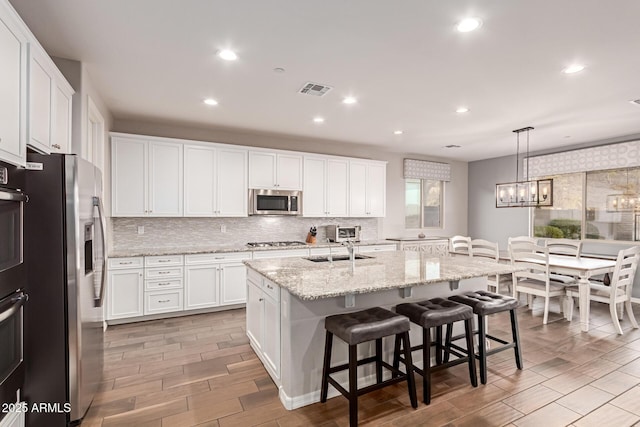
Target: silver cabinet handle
x=125 y=262
x=164 y=260
x=269 y=286
x=260 y=299
x=164 y=300
x=55 y=146
x=164 y=272
x=164 y=284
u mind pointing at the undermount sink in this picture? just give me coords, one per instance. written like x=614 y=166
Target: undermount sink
x=337 y=258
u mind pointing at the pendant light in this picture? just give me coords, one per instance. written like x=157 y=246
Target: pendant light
x=627 y=201
x=525 y=193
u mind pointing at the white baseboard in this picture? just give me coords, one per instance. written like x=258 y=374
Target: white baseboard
x=296 y=402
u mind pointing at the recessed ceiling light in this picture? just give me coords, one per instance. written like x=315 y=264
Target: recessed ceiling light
x=318 y=120
x=468 y=24
x=398 y=132
x=228 y=55
x=349 y=100
x=635 y=101
x=572 y=69
x=462 y=110
x=210 y=101
x=278 y=70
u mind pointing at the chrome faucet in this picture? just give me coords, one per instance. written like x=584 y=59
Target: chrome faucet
x=330 y=255
x=350 y=248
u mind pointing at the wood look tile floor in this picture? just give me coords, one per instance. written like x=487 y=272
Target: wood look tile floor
x=199 y=370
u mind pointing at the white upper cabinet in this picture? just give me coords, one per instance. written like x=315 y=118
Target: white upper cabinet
x=215 y=181
x=278 y=171
x=13 y=88
x=49 y=105
x=146 y=178
x=326 y=187
x=367 y=189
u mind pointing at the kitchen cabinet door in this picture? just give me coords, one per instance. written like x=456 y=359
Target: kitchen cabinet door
x=232 y=190
x=337 y=188
x=13 y=89
x=165 y=179
x=125 y=293
x=128 y=177
x=255 y=314
x=376 y=190
x=200 y=181
x=201 y=286
x=262 y=169
x=40 y=84
x=315 y=184
x=271 y=338
x=289 y=172
x=358 y=189
x=61 y=119
x=233 y=288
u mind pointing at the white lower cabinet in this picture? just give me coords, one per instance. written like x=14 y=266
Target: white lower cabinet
x=263 y=321
x=125 y=291
x=201 y=286
x=233 y=276
x=164 y=301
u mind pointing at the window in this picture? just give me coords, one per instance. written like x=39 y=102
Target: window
x=564 y=218
x=600 y=205
x=423 y=203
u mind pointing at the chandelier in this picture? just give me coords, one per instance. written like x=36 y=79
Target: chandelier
x=627 y=201
x=525 y=193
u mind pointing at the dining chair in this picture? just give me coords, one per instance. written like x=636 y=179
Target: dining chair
x=485 y=249
x=566 y=247
x=460 y=243
x=534 y=279
x=523 y=239
x=619 y=291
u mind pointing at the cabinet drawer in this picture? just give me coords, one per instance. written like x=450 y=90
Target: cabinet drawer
x=120 y=263
x=271 y=290
x=284 y=253
x=164 y=260
x=254 y=277
x=162 y=301
x=163 y=272
x=156 y=285
x=376 y=248
x=216 y=257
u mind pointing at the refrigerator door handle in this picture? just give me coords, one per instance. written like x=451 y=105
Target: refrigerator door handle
x=98 y=301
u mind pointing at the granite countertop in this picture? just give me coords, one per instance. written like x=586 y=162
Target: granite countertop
x=190 y=250
x=309 y=280
x=416 y=239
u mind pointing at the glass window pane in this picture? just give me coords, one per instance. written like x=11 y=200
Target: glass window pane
x=611 y=204
x=431 y=197
x=564 y=218
x=412 y=203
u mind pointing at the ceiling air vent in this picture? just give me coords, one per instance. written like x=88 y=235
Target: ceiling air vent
x=314 y=89
x=635 y=101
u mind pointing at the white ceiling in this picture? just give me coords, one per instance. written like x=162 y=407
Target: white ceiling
x=404 y=61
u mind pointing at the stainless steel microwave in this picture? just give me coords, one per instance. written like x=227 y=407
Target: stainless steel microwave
x=275 y=202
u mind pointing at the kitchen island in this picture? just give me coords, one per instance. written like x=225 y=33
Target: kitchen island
x=288 y=300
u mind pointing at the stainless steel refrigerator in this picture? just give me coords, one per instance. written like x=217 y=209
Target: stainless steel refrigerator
x=65 y=244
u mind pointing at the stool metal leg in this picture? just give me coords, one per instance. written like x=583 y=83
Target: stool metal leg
x=447 y=342
x=468 y=331
x=379 y=360
x=516 y=338
x=411 y=381
x=482 y=349
x=328 y=343
x=426 y=366
x=353 y=385
x=396 y=356
x=439 y=345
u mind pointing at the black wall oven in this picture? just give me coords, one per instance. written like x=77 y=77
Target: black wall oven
x=12 y=282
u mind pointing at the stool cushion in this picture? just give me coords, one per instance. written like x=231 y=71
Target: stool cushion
x=435 y=312
x=484 y=302
x=366 y=325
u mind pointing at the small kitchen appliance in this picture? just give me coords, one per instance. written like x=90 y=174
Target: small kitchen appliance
x=340 y=233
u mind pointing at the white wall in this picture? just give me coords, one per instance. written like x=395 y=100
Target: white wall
x=392 y=226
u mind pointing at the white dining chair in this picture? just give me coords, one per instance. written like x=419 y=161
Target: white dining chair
x=567 y=247
x=460 y=243
x=523 y=239
x=619 y=291
x=534 y=279
x=489 y=250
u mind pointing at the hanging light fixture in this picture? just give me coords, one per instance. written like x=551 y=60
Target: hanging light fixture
x=627 y=201
x=525 y=193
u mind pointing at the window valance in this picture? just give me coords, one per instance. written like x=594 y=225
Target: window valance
x=422 y=169
x=604 y=157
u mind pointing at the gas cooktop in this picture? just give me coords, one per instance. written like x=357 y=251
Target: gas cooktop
x=274 y=244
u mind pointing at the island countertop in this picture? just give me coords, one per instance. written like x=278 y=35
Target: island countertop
x=310 y=280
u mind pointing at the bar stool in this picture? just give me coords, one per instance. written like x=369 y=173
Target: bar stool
x=484 y=303
x=435 y=313
x=358 y=327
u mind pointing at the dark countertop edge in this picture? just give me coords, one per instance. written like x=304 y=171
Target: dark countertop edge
x=226 y=249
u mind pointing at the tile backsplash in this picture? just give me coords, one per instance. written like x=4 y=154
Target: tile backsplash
x=183 y=232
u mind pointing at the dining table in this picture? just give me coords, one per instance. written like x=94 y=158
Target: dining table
x=583 y=267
